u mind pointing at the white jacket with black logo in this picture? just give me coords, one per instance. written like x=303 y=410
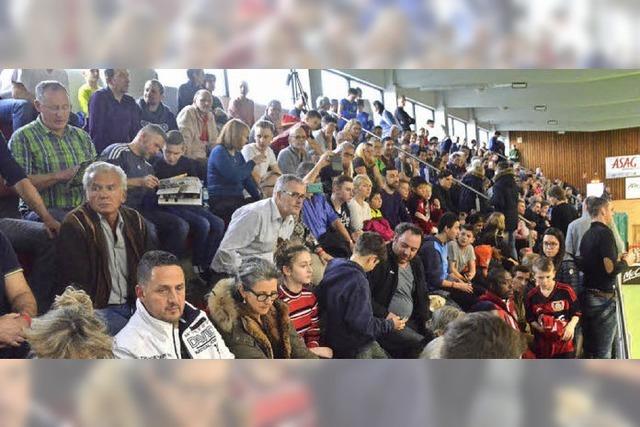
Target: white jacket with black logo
x=145 y=337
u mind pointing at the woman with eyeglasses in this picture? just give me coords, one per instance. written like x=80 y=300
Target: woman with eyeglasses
x=254 y=323
x=565 y=267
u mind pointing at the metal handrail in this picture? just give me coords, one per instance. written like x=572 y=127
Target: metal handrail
x=622 y=341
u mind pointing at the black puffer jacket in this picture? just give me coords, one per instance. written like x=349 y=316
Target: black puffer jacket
x=505 y=198
x=467 y=198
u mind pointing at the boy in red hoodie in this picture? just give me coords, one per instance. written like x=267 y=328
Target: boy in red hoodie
x=423 y=214
x=553 y=312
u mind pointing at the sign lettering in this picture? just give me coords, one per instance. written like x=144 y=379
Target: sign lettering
x=622 y=166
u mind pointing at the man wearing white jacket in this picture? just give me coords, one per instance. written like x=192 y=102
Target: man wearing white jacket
x=164 y=325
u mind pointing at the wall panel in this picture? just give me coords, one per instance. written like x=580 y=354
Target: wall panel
x=576 y=157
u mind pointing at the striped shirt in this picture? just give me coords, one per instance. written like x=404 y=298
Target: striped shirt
x=134 y=166
x=303 y=312
x=39 y=151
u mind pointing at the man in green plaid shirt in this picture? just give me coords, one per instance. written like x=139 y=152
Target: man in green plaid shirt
x=50 y=151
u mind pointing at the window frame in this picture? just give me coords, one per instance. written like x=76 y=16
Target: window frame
x=355 y=82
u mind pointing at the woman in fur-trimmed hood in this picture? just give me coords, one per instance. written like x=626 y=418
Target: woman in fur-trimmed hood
x=253 y=322
x=474 y=178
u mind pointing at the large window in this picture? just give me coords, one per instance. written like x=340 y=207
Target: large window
x=369 y=92
x=457 y=128
x=174 y=77
x=483 y=135
x=266 y=84
x=422 y=114
x=336 y=85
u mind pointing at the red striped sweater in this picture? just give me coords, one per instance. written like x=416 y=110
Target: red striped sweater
x=303 y=312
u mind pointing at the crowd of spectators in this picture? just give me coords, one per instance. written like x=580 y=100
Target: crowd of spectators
x=326 y=233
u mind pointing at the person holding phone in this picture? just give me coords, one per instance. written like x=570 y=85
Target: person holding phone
x=320 y=217
x=341 y=159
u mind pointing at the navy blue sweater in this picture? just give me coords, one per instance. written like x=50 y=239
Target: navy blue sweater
x=434 y=259
x=394 y=209
x=344 y=301
x=228 y=175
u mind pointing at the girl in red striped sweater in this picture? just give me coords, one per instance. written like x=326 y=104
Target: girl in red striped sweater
x=294 y=262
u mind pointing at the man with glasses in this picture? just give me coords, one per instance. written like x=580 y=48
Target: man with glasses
x=255 y=228
x=291 y=157
x=164 y=325
x=51 y=151
x=344 y=301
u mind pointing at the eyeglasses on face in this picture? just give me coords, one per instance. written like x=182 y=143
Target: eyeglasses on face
x=551 y=244
x=294 y=195
x=264 y=297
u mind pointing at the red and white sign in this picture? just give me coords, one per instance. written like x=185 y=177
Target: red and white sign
x=622 y=166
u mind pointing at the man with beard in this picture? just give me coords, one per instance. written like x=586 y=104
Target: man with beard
x=398 y=290
x=393 y=208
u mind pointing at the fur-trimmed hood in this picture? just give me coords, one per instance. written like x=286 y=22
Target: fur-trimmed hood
x=504 y=172
x=233 y=319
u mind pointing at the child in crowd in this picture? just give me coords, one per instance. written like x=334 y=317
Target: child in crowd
x=476 y=220
x=404 y=189
x=293 y=260
x=462 y=216
x=378 y=223
x=419 y=207
x=205 y=226
x=375 y=202
x=553 y=312
x=462 y=258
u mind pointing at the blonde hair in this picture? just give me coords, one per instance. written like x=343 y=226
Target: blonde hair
x=497 y=220
x=358 y=180
x=70 y=330
x=231 y=133
x=347 y=129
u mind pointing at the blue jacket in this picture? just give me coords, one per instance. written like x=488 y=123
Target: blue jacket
x=386 y=121
x=228 y=175
x=349 y=111
x=363 y=118
x=433 y=254
x=344 y=301
x=445 y=145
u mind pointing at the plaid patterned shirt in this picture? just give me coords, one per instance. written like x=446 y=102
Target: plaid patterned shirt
x=39 y=151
